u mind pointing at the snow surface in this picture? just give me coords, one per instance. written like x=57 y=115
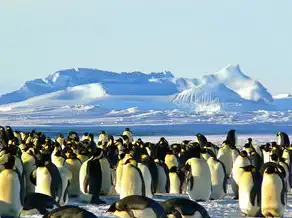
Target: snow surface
x=226 y=207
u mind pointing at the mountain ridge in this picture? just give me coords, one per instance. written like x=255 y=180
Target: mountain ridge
x=228 y=85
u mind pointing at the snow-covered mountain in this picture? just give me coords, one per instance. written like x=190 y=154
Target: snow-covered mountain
x=228 y=89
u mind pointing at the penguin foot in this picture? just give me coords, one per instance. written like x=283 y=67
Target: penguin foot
x=235 y=198
x=96 y=200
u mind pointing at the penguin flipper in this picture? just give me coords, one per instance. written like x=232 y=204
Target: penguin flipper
x=33 y=176
x=252 y=195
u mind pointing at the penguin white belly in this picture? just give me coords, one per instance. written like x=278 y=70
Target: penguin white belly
x=217 y=179
x=266 y=156
x=224 y=155
x=119 y=173
x=234 y=154
x=10 y=204
x=245 y=186
x=174 y=184
x=74 y=167
x=66 y=176
x=43 y=181
x=237 y=171
x=201 y=189
x=131 y=182
x=162 y=180
x=147 y=179
x=106 y=182
x=28 y=167
x=271 y=196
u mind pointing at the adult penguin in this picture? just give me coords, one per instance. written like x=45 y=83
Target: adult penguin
x=218 y=178
x=241 y=161
x=66 y=177
x=12 y=190
x=198 y=176
x=163 y=177
x=137 y=206
x=150 y=163
x=225 y=156
x=174 y=181
x=250 y=191
x=90 y=179
x=29 y=161
x=46 y=178
x=273 y=191
x=161 y=149
x=128 y=132
x=102 y=139
x=232 y=140
x=112 y=152
x=37 y=203
x=266 y=150
x=106 y=179
x=69 y=211
x=184 y=208
x=202 y=140
x=283 y=139
x=132 y=182
x=73 y=164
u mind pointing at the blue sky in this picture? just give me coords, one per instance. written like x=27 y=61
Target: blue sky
x=189 y=38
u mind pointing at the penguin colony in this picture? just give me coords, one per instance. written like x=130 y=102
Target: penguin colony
x=38 y=175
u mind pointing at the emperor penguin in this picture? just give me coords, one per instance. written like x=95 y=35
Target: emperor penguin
x=128 y=133
x=184 y=208
x=273 y=190
x=174 y=181
x=266 y=150
x=137 y=206
x=283 y=139
x=12 y=190
x=73 y=164
x=66 y=177
x=218 y=178
x=102 y=139
x=69 y=211
x=198 y=177
x=106 y=180
x=241 y=161
x=47 y=178
x=225 y=156
x=202 y=140
x=232 y=140
x=90 y=179
x=29 y=161
x=250 y=191
x=163 y=182
x=132 y=182
x=119 y=171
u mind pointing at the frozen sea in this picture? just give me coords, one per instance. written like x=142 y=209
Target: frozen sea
x=226 y=207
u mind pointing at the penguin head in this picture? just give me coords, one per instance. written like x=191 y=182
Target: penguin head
x=243 y=153
x=10 y=163
x=274 y=157
x=127 y=129
x=201 y=139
